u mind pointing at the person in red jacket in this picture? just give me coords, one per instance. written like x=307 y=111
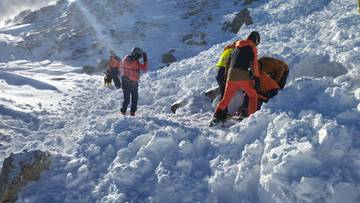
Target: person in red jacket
x=114 y=69
x=243 y=74
x=130 y=79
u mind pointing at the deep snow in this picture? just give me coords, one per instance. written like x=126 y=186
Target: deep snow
x=303 y=146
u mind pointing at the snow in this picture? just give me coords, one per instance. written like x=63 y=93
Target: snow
x=302 y=146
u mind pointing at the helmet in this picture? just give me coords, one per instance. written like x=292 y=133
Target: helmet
x=136 y=51
x=255 y=37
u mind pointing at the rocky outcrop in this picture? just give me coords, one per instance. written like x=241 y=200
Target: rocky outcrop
x=234 y=22
x=195 y=39
x=247 y=2
x=18 y=170
x=88 y=69
x=100 y=67
x=168 y=57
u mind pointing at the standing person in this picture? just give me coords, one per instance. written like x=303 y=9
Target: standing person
x=243 y=73
x=114 y=68
x=222 y=66
x=130 y=80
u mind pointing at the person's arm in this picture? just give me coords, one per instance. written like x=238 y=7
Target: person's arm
x=144 y=66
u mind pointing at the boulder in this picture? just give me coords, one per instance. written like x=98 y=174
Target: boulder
x=168 y=57
x=88 y=69
x=18 y=170
x=195 y=39
x=234 y=22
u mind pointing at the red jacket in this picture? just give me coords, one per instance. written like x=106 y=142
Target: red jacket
x=114 y=62
x=132 y=68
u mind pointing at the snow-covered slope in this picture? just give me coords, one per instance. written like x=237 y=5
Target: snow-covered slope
x=83 y=31
x=303 y=146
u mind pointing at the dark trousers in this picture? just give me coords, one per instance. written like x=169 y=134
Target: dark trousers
x=283 y=79
x=130 y=90
x=114 y=73
x=220 y=78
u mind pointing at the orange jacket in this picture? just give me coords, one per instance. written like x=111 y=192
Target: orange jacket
x=274 y=67
x=114 y=62
x=132 y=68
x=229 y=46
x=248 y=42
x=267 y=83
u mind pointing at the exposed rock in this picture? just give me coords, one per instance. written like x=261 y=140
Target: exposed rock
x=195 y=39
x=247 y=2
x=18 y=170
x=20 y=18
x=168 y=57
x=234 y=22
x=88 y=69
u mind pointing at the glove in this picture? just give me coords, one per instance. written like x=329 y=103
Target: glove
x=145 y=57
x=257 y=83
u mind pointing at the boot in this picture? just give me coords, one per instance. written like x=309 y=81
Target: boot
x=132 y=113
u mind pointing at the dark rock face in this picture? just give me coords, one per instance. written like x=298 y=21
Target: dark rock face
x=18 y=170
x=234 y=24
x=196 y=38
x=168 y=57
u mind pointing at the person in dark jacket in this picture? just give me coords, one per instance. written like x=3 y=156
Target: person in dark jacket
x=130 y=79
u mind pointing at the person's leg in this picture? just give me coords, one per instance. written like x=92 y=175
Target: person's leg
x=283 y=79
x=126 y=93
x=221 y=81
x=230 y=90
x=134 y=97
x=243 y=109
x=247 y=86
x=115 y=77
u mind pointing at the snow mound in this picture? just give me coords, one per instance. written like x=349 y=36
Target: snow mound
x=17 y=80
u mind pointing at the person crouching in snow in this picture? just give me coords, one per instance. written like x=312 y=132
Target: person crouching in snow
x=130 y=79
x=243 y=64
x=114 y=69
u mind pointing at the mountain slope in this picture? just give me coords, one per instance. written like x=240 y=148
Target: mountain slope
x=302 y=146
x=81 y=32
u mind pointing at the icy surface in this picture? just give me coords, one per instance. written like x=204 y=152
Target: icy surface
x=303 y=146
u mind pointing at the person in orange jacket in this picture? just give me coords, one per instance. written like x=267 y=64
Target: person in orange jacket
x=276 y=68
x=113 y=69
x=130 y=80
x=268 y=89
x=243 y=74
